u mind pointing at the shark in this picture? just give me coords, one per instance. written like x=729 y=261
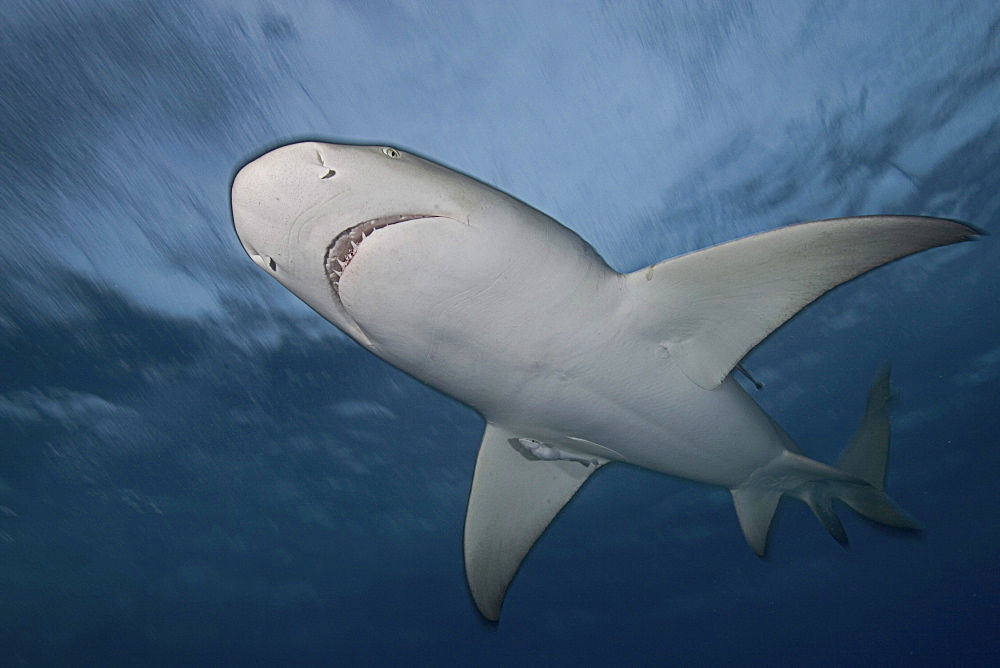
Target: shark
x=572 y=364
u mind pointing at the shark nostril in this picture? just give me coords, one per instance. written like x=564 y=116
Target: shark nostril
x=322 y=163
x=264 y=261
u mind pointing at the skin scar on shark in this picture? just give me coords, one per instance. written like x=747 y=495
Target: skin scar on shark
x=571 y=364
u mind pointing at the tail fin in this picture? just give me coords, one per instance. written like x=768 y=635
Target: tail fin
x=858 y=480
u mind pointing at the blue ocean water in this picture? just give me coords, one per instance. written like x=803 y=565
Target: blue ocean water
x=195 y=468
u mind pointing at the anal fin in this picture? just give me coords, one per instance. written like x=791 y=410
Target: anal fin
x=514 y=497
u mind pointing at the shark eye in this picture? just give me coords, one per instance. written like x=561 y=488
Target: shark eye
x=391 y=152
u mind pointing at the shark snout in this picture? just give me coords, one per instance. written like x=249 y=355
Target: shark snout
x=268 y=195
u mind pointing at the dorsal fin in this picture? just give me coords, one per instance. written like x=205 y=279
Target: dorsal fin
x=514 y=497
x=710 y=307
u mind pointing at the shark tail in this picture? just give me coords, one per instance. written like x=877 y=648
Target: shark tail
x=858 y=480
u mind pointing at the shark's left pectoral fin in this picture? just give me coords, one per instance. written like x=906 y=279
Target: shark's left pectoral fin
x=710 y=307
x=514 y=497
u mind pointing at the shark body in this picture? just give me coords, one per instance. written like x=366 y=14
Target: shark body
x=572 y=364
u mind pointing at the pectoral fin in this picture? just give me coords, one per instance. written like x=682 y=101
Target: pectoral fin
x=514 y=497
x=709 y=308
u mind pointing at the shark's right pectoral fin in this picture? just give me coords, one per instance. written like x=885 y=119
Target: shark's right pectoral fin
x=514 y=497
x=710 y=307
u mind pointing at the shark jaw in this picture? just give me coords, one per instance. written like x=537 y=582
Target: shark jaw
x=345 y=246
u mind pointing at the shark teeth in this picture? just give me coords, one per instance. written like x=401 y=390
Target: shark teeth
x=343 y=249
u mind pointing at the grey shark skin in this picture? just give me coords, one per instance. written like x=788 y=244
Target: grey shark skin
x=572 y=364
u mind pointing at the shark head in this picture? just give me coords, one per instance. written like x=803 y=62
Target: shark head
x=307 y=213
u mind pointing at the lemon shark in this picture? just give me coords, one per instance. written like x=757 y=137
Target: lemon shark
x=572 y=364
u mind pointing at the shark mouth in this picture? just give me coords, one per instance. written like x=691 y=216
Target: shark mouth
x=343 y=249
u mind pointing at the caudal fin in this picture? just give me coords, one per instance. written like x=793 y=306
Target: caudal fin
x=858 y=480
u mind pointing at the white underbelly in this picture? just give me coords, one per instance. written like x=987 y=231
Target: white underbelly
x=653 y=416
